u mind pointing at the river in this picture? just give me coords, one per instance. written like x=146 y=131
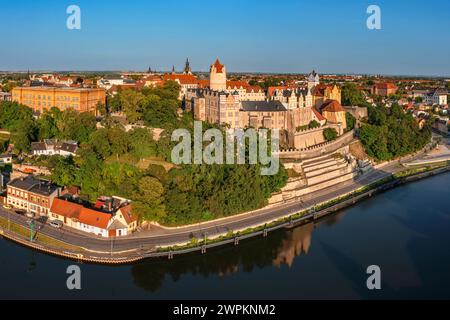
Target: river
x=405 y=231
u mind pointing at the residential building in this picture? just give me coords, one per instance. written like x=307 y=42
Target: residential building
x=437 y=97
x=50 y=147
x=185 y=80
x=115 y=223
x=44 y=98
x=384 y=89
x=32 y=195
x=108 y=83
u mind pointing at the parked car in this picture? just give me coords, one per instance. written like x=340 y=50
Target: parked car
x=42 y=219
x=28 y=214
x=56 y=224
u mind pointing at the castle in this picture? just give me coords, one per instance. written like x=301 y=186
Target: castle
x=236 y=104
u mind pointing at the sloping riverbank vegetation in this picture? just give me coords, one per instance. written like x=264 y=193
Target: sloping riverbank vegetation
x=390 y=133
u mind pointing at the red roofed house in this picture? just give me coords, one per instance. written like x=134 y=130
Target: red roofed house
x=104 y=224
x=334 y=113
x=186 y=81
x=384 y=89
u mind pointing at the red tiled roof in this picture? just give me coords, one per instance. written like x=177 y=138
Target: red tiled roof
x=203 y=83
x=66 y=208
x=271 y=90
x=182 y=78
x=332 y=106
x=253 y=88
x=94 y=218
x=237 y=84
x=319 y=90
x=318 y=115
x=128 y=214
x=218 y=66
x=386 y=85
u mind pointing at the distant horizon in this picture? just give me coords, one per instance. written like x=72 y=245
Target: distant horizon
x=288 y=37
x=228 y=72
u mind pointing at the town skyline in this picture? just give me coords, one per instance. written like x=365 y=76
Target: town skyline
x=329 y=37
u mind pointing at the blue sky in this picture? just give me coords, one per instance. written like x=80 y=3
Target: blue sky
x=248 y=35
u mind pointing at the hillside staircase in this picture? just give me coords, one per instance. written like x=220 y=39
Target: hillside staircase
x=317 y=174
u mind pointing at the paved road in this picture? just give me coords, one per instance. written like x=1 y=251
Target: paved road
x=165 y=237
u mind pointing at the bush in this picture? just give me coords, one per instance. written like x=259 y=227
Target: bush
x=330 y=134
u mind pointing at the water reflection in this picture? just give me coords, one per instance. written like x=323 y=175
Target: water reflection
x=280 y=249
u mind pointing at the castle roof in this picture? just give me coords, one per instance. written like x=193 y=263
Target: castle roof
x=218 y=66
x=318 y=115
x=182 y=78
x=332 y=106
x=263 y=106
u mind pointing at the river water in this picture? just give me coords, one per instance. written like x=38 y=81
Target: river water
x=405 y=231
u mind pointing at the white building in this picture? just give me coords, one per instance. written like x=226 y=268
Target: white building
x=50 y=147
x=118 y=222
x=438 y=97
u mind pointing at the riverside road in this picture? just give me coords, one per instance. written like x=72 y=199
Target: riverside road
x=148 y=239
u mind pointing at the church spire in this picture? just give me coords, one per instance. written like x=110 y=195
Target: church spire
x=187 y=68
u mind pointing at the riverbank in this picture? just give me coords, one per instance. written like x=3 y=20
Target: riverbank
x=291 y=220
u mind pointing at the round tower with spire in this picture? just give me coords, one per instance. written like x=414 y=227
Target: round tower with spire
x=218 y=76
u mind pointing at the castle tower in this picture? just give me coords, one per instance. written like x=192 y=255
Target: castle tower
x=313 y=80
x=218 y=76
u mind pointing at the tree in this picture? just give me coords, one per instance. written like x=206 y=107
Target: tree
x=100 y=109
x=330 y=134
x=141 y=143
x=392 y=133
x=132 y=104
x=23 y=136
x=63 y=170
x=150 y=200
x=99 y=141
x=352 y=96
x=47 y=124
x=351 y=121
x=313 y=124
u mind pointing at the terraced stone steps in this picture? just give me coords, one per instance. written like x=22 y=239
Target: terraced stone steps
x=329 y=175
x=327 y=168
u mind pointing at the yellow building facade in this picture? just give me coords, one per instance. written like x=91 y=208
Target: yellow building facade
x=44 y=98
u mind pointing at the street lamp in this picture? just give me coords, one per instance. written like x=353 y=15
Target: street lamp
x=32 y=226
